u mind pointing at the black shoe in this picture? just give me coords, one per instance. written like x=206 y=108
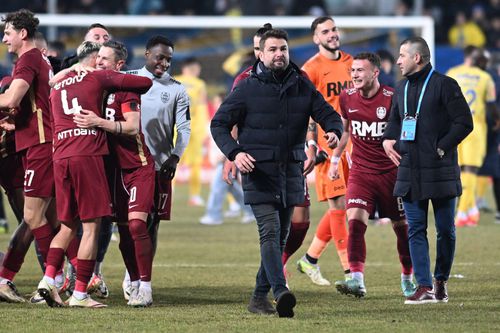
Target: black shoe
x=285 y=303
x=441 y=291
x=261 y=305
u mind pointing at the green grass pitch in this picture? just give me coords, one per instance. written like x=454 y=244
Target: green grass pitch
x=203 y=277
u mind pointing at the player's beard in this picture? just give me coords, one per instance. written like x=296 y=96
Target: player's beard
x=279 y=69
x=331 y=49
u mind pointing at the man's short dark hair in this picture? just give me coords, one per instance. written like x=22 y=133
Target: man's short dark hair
x=262 y=30
x=373 y=58
x=319 y=20
x=23 y=19
x=273 y=33
x=119 y=49
x=190 y=61
x=58 y=47
x=469 y=50
x=386 y=55
x=97 y=25
x=419 y=45
x=158 y=39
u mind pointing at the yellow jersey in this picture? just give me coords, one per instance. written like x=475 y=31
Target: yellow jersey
x=478 y=88
x=198 y=108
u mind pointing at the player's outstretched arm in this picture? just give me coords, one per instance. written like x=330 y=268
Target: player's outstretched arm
x=12 y=97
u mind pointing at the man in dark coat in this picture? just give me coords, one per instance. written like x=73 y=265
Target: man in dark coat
x=271 y=109
x=430 y=117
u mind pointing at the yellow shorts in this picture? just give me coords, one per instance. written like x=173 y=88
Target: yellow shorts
x=472 y=150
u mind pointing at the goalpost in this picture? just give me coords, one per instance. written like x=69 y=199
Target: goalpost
x=425 y=23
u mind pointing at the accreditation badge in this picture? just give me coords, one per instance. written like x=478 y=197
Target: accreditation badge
x=408 y=129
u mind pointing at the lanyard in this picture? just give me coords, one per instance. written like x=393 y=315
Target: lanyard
x=421 y=95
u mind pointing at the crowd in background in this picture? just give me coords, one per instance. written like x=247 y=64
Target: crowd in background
x=455 y=20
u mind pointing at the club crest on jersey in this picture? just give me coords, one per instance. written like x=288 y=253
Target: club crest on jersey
x=111 y=99
x=381 y=112
x=165 y=96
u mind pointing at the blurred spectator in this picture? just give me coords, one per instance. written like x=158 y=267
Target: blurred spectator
x=478 y=16
x=143 y=7
x=465 y=32
x=493 y=33
x=312 y=7
x=387 y=62
x=36 y=6
x=198 y=109
x=91 y=7
x=43 y=46
x=56 y=49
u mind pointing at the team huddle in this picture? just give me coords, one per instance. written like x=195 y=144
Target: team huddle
x=91 y=121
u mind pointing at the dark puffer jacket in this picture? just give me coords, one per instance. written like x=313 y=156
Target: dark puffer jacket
x=272 y=115
x=444 y=121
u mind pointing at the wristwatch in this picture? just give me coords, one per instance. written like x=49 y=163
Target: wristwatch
x=440 y=152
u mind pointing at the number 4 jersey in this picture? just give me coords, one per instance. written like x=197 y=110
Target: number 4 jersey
x=86 y=92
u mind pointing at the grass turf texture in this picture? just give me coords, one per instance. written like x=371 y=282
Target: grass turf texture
x=204 y=275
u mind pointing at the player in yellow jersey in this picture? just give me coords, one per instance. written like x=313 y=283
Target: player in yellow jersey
x=330 y=72
x=479 y=90
x=193 y=156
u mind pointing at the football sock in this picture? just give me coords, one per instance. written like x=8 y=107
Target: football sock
x=311 y=260
x=298 y=231
x=467 y=201
x=79 y=295
x=54 y=259
x=135 y=284
x=127 y=250
x=72 y=251
x=483 y=183
x=43 y=236
x=49 y=280
x=356 y=246
x=339 y=234
x=18 y=247
x=323 y=232
x=359 y=276
x=98 y=268
x=401 y=232
x=143 y=248
x=84 y=274
x=405 y=277
x=195 y=180
x=146 y=285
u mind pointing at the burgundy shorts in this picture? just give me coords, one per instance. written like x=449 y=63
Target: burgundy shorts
x=11 y=173
x=38 y=171
x=307 y=198
x=370 y=191
x=163 y=198
x=136 y=191
x=81 y=188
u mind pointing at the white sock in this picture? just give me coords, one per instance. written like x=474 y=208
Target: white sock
x=358 y=276
x=4 y=281
x=49 y=280
x=79 y=295
x=127 y=277
x=135 y=284
x=145 y=285
x=405 y=277
x=59 y=280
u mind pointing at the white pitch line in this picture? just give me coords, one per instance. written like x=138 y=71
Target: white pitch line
x=235 y=265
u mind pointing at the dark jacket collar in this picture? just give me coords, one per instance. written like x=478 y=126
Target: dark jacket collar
x=422 y=74
x=266 y=75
